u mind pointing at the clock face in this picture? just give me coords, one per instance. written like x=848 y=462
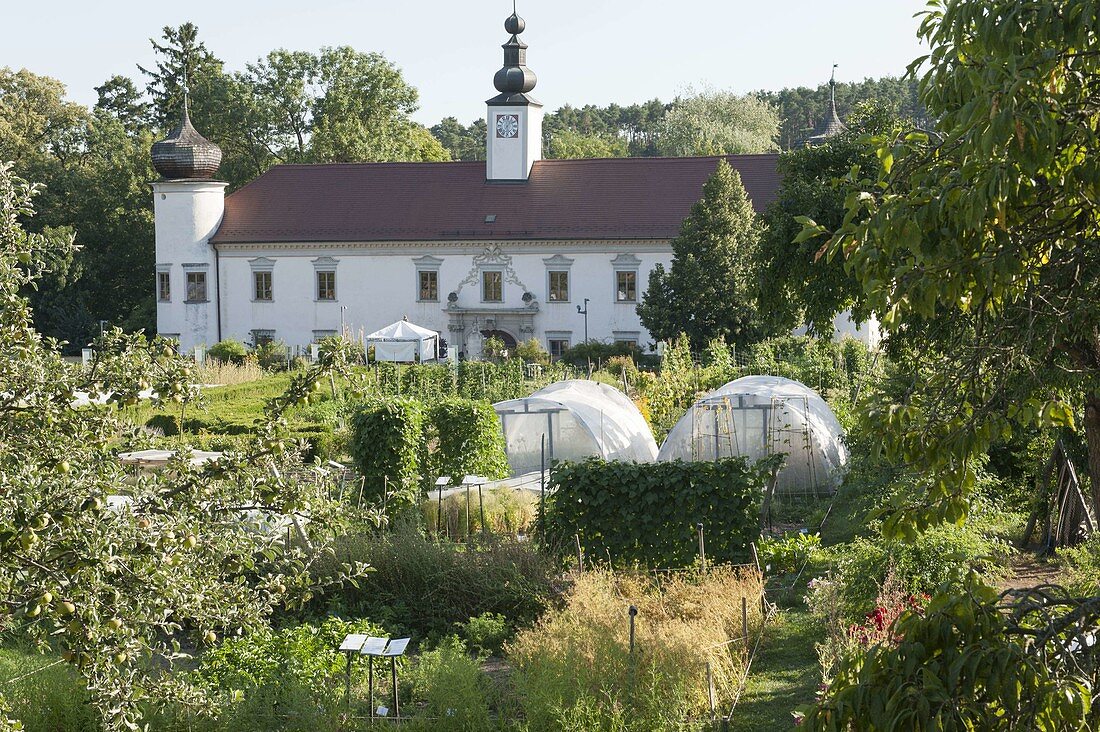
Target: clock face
x=507 y=125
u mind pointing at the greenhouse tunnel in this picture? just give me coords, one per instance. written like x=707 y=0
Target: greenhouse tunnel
x=579 y=419
x=758 y=416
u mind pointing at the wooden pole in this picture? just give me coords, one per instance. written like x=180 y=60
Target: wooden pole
x=542 y=492
x=370 y=683
x=702 y=547
x=633 y=612
x=580 y=553
x=393 y=672
x=710 y=692
x=439 y=515
x=347 y=688
x=481 y=508
x=745 y=619
x=467 y=510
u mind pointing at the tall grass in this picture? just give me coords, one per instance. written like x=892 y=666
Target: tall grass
x=225 y=373
x=507 y=513
x=575 y=669
x=44 y=693
x=427 y=587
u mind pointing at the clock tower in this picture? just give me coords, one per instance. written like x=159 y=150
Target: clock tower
x=514 y=117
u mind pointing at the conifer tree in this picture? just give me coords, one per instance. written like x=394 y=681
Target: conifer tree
x=710 y=290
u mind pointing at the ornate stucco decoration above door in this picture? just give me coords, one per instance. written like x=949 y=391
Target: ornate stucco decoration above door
x=494 y=257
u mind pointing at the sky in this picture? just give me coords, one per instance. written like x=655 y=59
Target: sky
x=583 y=51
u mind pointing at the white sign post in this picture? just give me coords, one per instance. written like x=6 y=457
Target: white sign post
x=350 y=646
x=393 y=650
x=372 y=647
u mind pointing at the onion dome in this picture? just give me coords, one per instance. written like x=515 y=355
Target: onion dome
x=831 y=126
x=514 y=77
x=185 y=154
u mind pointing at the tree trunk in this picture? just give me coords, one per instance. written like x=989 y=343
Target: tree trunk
x=1092 y=437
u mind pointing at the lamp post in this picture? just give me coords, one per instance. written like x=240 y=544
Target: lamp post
x=343 y=309
x=584 y=312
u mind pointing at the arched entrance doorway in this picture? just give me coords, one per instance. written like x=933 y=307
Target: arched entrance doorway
x=509 y=341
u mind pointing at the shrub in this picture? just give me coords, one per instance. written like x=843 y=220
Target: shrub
x=273 y=356
x=387 y=445
x=1083 y=566
x=531 y=351
x=487 y=632
x=575 y=666
x=467 y=440
x=493 y=349
x=424 y=587
x=941 y=557
x=960 y=665
x=492 y=382
x=647 y=512
x=228 y=351
x=453 y=690
x=595 y=353
x=304 y=654
x=789 y=552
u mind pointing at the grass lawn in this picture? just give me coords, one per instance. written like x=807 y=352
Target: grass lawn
x=784 y=675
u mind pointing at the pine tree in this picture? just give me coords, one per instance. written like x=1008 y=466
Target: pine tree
x=710 y=290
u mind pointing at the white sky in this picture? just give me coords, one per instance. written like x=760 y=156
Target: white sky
x=583 y=51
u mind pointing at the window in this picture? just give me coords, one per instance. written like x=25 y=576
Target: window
x=326 y=285
x=492 y=286
x=262 y=285
x=429 y=286
x=320 y=335
x=262 y=337
x=626 y=286
x=559 y=286
x=196 y=287
x=164 y=287
x=557 y=347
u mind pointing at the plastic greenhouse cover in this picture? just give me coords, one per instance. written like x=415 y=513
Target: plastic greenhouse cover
x=580 y=419
x=756 y=416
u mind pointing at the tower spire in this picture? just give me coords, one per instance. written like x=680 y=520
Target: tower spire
x=831 y=125
x=832 y=94
x=514 y=117
x=186 y=100
x=514 y=78
x=185 y=154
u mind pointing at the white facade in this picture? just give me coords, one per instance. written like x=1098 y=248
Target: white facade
x=377 y=284
x=187 y=213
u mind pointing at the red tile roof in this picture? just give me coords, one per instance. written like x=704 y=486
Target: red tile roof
x=618 y=198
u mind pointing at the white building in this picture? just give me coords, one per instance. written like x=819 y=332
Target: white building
x=514 y=246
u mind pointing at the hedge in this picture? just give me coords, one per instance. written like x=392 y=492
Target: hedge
x=468 y=440
x=647 y=512
x=411 y=443
x=387 y=445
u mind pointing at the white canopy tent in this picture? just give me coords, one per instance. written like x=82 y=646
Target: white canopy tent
x=578 y=419
x=404 y=342
x=757 y=416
